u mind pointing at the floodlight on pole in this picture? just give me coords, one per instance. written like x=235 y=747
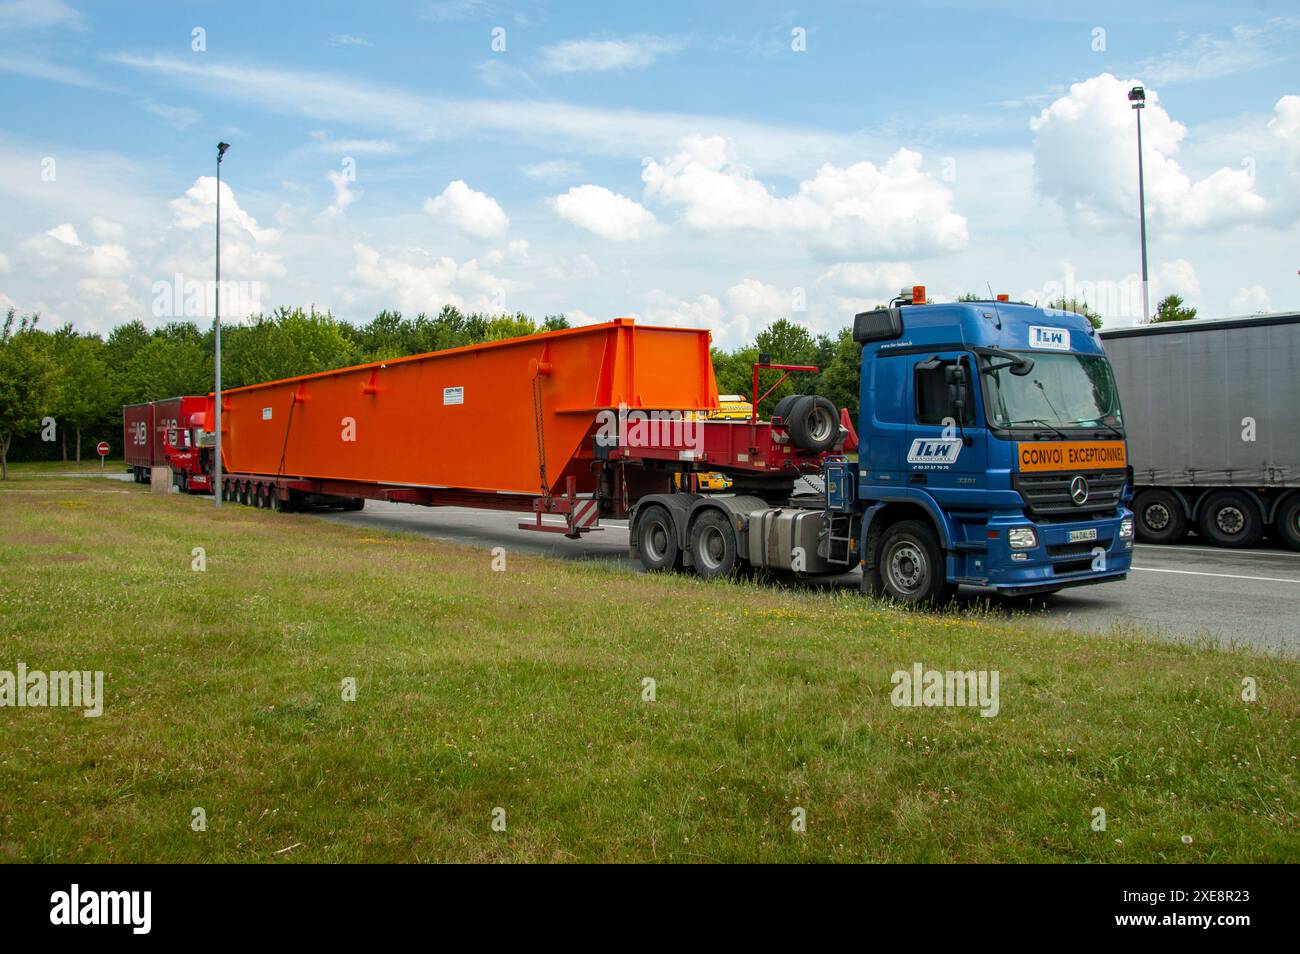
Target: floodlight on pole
x=216 y=464
x=1138 y=97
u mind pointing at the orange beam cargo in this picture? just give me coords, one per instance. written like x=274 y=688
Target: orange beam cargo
x=467 y=418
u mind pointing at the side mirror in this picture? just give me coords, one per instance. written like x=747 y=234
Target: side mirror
x=955 y=375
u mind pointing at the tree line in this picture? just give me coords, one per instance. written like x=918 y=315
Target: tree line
x=62 y=391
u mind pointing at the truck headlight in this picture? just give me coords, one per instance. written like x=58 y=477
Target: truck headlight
x=1022 y=538
x=1126 y=528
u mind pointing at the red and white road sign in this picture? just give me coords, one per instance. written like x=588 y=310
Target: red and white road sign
x=102 y=448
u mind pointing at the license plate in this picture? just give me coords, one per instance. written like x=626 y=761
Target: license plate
x=1076 y=536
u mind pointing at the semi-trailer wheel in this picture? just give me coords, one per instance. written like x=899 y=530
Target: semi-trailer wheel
x=356 y=503
x=1159 y=517
x=813 y=423
x=656 y=542
x=1229 y=518
x=245 y=495
x=1288 y=521
x=911 y=565
x=714 y=549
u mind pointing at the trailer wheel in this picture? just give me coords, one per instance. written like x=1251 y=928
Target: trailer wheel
x=814 y=423
x=1288 y=521
x=244 y=495
x=1229 y=518
x=656 y=540
x=911 y=565
x=1159 y=517
x=356 y=503
x=714 y=549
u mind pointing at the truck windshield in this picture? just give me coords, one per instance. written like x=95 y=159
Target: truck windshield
x=1061 y=390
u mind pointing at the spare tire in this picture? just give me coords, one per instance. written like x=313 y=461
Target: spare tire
x=814 y=424
x=782 y=409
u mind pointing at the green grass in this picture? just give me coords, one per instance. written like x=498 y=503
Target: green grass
x=88 y=465
x=522 y=690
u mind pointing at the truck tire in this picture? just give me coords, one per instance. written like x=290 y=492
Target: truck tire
x=782 y=409
x=656 y=540
x=355 y=504
x=1229 y=518
x=1288 y=521
x=1159 y=517
x=911 y=565
x=814 y=424
x=714 y=549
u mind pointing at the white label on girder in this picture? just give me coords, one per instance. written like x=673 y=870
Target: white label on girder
x=453 y=396
x=266 y=413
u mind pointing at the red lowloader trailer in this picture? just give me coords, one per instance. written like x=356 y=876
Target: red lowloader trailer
x=579 y=423
x=167 y=433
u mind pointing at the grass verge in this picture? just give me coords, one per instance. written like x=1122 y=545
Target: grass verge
x=523 y=690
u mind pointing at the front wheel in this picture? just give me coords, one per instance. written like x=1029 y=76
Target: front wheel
x=911 y=565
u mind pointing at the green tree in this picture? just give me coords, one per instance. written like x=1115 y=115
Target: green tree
x=29 y=381
x=87 y=393
x=1171 y=308
x=1078 y=306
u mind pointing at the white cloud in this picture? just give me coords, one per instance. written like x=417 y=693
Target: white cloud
x=552 y=170
x=756 y=304
x=622 y=132
x=1207 y=56
x=347 y=39
x=1178 y=277
x=107 y=230
x=4 y=262
x=610 y=215
x=1251 y=300
x=1285 y=124
x=343 y=194
x=706 y=311
x=37 y=68
x=374 y=147
x=869 y=210
x=474 y=213
x=446 y=11
x=197 y=209
x=182 y=117
x=580 y=56
x=35 y=14
x=427 y=282
x=1085 y=158
x=61 y=247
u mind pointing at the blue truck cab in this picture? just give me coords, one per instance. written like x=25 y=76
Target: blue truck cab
x=991 y=452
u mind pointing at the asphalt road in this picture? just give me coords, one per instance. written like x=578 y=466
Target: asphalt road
x=1187 y=591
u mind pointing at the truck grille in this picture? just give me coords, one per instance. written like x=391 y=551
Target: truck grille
x=1047 y=496
x=1060 y=551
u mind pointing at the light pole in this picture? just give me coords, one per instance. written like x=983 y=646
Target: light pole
x=216 y=465
x=1138 y=96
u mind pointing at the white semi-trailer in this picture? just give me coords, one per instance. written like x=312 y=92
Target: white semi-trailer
x=1212 y=411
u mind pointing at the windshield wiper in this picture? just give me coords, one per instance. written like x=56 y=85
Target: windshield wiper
x=1097 y=422
x=1038 y=420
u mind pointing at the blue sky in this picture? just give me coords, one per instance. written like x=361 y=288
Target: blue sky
x=713 y=165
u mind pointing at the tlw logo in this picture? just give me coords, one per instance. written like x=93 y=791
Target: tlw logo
x=134 y=908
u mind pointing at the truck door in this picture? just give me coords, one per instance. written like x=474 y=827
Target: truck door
x=946 y=453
